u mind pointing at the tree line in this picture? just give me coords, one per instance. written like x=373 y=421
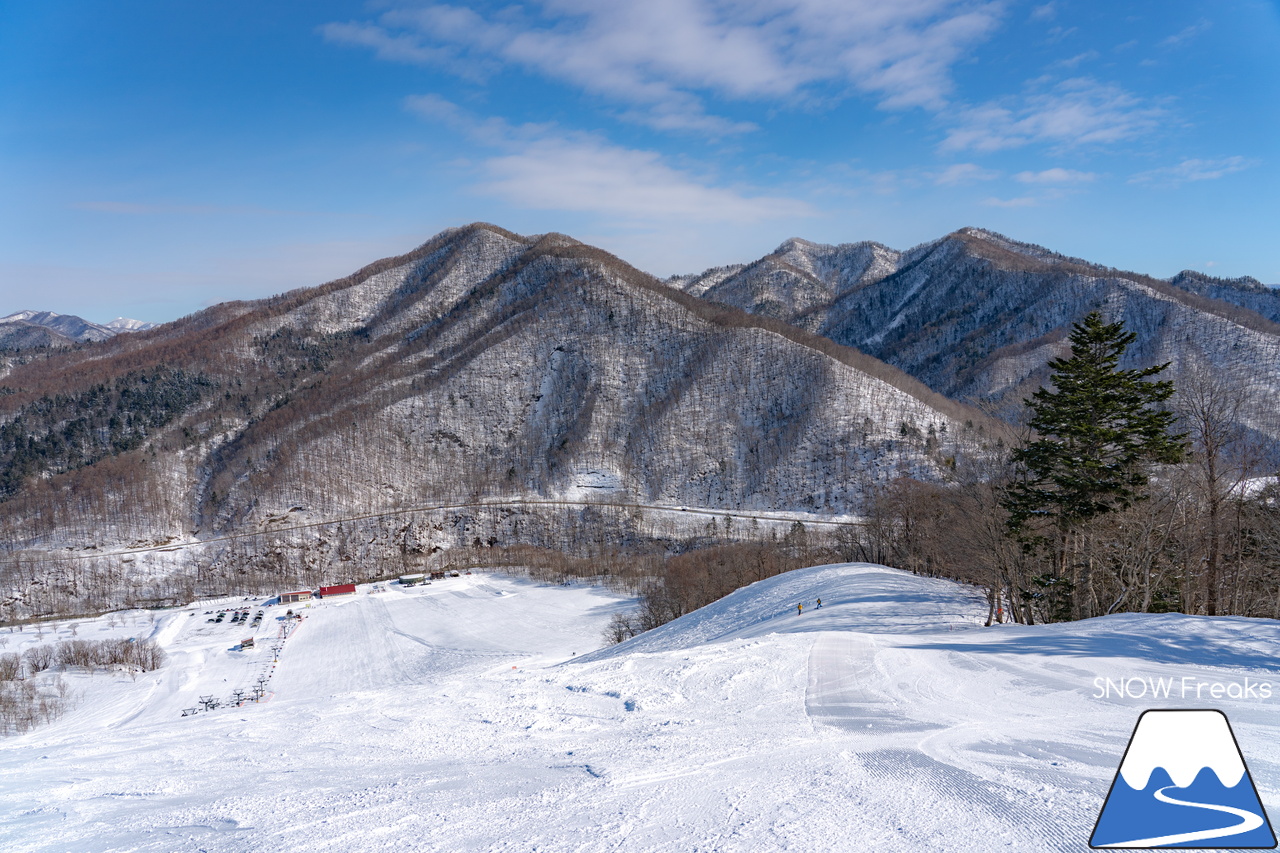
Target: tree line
x=63 y=432
x=32 y=694
x=1127 y=493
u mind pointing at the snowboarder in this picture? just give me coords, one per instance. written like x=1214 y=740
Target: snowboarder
x=819 y=607
x=799 y=609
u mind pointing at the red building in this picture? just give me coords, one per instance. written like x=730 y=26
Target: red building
x=338 y=589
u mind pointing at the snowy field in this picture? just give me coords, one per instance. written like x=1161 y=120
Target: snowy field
x=480 y=713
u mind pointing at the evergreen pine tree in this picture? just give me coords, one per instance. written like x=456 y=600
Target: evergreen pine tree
x=1097 y=433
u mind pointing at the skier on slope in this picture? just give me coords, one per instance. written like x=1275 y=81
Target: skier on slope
x=799 y=609
x=819 y=607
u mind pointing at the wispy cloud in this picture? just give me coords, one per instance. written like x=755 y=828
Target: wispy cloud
x=1075 y=112
x=662 y=58
x=1187 y=34
x=1078 y=59
x=1021 y=201
x=588 y=174
x=1046 y=12
x=1056 y=176
x=393 y=48
x=541 y=167
x=963 y=174
x=490 y=131
x=686 y=114
x=1194 y=170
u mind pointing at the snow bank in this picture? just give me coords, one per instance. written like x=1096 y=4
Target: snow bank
x=855 y=597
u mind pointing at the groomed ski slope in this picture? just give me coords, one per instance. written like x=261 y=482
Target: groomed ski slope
x=472 y=714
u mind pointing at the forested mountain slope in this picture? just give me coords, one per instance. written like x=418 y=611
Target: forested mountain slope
x=977 y=316
x=481 y=364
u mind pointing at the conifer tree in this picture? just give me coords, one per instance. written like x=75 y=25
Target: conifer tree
x=1097 y=432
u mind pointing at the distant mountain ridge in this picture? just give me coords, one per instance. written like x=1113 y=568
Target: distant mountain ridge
x=31 y=329
x=977 y=316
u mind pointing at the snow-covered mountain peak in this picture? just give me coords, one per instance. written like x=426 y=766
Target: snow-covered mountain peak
x=982 y=234
x=979 y=238
x=67 y=325
x=125 y=324
x=794 y=244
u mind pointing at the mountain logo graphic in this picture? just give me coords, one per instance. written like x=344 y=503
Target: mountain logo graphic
x=1183 y=783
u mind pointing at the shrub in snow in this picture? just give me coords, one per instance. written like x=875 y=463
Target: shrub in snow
x=25 y=705
x=10 y=667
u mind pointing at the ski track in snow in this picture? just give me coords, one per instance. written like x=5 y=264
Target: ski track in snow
x=468 y=715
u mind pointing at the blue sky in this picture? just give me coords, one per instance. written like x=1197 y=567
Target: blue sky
x=158 y=157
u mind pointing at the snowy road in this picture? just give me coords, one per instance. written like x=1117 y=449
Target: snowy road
x=468 y=715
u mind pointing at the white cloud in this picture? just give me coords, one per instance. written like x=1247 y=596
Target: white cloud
x=663 y=56
x=491 y=131
x=540 y=167
x=961 y=174
x=1079 y=58
x=401 y=48
x=1056 y=176
x=1194 y=170
x=1075 y=112
x=686 y=114
x=1185 y=35
x=1022 y=201
x=587 y=174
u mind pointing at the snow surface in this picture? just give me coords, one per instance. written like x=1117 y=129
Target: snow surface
x=470 y=714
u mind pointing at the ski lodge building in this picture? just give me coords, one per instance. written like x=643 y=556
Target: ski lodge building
x=337 y=589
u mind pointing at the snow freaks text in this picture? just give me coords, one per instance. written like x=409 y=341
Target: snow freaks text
x=1186 y=687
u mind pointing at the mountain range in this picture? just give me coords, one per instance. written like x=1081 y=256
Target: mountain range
x=977 y=316
x=488 y=366
x=36 y=329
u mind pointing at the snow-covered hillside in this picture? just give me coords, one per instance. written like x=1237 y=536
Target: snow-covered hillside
x=978 y=316
x=469 y=715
